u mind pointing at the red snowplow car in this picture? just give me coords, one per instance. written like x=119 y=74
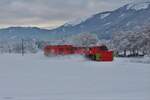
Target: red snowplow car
x=100 y=53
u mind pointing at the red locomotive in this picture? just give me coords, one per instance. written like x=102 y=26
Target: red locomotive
x=58 y=50
x=96 y=53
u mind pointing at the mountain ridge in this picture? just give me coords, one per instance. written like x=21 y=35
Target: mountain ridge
x=130 y=17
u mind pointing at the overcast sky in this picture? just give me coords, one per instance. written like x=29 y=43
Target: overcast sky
x=51 y=13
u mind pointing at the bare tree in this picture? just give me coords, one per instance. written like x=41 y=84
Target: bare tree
x=85 y=39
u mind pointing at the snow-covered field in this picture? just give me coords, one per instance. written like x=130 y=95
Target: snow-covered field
x=35 y=77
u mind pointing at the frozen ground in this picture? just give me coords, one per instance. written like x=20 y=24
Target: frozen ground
x=35 y=77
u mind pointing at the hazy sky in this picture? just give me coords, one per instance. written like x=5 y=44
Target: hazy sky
x=51 y=13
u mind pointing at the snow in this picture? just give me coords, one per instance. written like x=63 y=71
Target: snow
x=36 y=77
x=146 y=60
x=83 y=19
x=122 y=15
x=107 y=24
x=104 y=15
x=77 y=21
x=138 y=5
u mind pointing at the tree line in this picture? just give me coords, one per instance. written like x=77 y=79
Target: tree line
x=132 y=43
x=122 y=43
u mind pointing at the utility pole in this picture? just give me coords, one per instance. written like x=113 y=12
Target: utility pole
x=22 y=47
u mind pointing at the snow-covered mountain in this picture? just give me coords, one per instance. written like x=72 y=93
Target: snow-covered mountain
x=26 y=33
x=127 y=18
